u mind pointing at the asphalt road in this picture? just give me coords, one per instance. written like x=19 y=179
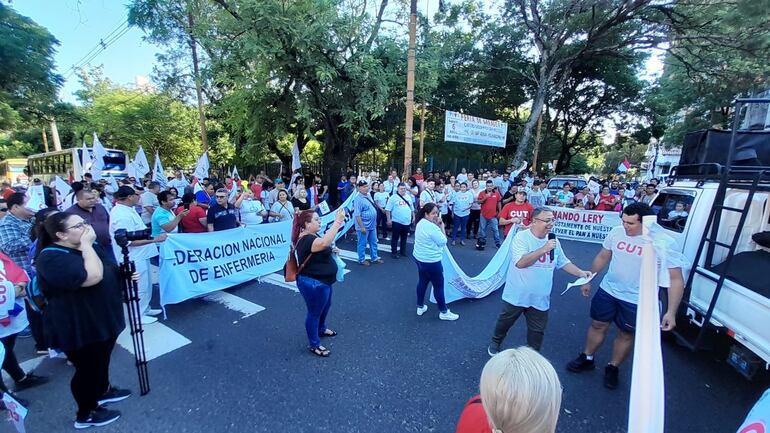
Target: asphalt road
x=390 y=370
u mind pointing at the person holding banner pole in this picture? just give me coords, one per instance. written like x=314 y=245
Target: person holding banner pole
x=316 y=273
x=618 y=295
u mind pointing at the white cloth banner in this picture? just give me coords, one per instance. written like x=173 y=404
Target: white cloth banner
x=194 y=264
x=647 y=402
x=63 y=190
x=36 y=195
x=141 y=165
x=474 y=130
x=159 y=174
x=202 y=167
x=584 y=225
x=296 y=164
x=99 y=153
x=85 y=160
x=458 y=285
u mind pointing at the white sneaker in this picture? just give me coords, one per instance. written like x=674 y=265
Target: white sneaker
x=448 y=316
x=146 y=320
x=422 y=310
x=153 y=311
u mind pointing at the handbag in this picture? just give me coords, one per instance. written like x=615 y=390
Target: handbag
x=290 y=270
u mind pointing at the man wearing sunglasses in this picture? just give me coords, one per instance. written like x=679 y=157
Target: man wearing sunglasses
x=221 y=214
x=530 y=280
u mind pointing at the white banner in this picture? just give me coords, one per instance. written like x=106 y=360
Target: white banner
x=194 y=264
x=474 y=130
x=458 y=285
x=98 y=160
x=584 y=225
x=36 y=195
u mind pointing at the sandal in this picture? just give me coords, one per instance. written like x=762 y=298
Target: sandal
x=320 y=351
x=329 y=333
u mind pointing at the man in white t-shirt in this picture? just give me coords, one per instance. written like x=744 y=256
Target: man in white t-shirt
x=149 y=201
x=530 y=279
x=618 y=295
x=428 y=195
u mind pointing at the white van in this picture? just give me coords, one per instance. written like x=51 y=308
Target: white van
x=727 y=295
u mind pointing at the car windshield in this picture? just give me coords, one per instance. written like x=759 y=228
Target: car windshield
x=673 y=209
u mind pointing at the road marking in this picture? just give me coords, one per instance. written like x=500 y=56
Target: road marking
x=28 y=366
x=235 y=303
x=159 y=340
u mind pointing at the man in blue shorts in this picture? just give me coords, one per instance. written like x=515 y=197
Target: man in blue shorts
x=618 y=295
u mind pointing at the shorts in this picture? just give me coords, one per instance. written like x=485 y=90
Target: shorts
x=607 y=308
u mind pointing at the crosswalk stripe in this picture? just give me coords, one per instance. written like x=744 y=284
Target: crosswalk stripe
x=159 y=340
x=235 y=303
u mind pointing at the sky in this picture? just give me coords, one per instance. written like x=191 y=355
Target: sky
x=79 y=25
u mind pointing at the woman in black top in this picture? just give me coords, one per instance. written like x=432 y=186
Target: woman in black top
x=317 y=273
x=84 y=314
x=300 y=201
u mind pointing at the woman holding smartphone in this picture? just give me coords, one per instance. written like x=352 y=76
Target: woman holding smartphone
x=429 y=242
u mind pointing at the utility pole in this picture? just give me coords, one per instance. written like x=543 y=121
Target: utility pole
x=197 y=78
x=408 y=130
x=55 y=135
x=422 y=132
x=45 y=141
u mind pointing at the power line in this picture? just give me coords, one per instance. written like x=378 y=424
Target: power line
x=100 y=47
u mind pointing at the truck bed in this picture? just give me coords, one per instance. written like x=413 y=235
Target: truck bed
x=750 y=269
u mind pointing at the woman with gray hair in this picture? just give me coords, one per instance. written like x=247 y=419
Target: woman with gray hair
x=520 y=393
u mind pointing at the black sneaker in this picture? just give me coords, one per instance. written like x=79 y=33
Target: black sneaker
x=611 y=376
x=114 y=395
x=493 y=349
x=581 y=363
x=98 y=417
x=30 y=380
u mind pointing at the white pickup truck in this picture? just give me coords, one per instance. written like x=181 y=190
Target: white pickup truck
x=742 y=307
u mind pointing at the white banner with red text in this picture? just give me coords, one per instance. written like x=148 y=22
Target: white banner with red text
x=583 y=225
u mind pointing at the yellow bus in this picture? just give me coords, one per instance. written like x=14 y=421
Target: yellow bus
x=66 y=164
x=12 y=170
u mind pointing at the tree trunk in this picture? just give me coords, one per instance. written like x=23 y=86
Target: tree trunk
x=537 y=107
x=198 y=86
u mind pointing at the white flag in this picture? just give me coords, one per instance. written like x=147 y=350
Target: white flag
x=141 y=165
x=131 y=170
x=202 y=168
x=158 y=174
x=99 y=153
x=85 y=160
x=63 y=190
x=646 y=405
x=36 y=195
x=234 y=174
x=197 y=187
x=295 y=162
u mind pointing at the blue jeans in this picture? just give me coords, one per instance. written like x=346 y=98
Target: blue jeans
x=483 y=224
x=460 y=224
x=318 y=298
x=371 y=238
x=431 y=273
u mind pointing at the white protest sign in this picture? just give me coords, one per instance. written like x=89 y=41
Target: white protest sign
x=474 y=130
x=36 y=195
x=323 y=207
x=16 y=412
x=583 y=225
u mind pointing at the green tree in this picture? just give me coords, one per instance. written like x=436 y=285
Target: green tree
x=28 y=83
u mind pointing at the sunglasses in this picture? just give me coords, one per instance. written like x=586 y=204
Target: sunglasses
x=221 y=196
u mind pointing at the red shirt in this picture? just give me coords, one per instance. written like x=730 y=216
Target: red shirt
x=257 y=190
x=473 y=419
x=7 y=193
x=489 y=207
x=513 y=209
x=191 y=223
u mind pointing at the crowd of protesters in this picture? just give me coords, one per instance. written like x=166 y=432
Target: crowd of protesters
x=74 y=237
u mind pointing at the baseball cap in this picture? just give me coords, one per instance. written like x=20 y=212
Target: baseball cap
x=522 y=190
x=278 y=180
x=124 y=192
x=362 y=183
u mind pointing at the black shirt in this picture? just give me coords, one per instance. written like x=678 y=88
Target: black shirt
x=77 y=316
x=299 y=205
x=222 y=218
x=321 y=265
